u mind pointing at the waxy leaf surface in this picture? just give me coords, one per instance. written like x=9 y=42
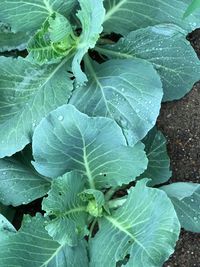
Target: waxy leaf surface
x=158 y=169
x=166 y=47
x=124 y=16
x=186 y=200
x=145 y=231
x=19 y=184
x=91 y=17
x=67 y=208
x=32 y=246
x=70 y=140
x=128 y=91
x=28 y=93
x=28 y=15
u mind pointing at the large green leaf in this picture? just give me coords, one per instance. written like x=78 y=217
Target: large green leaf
x=19 y=184
x=52 y=42
x=67 y=208
x=32 y=246
x=6 y=228
x=158 y=169
x=28 y=93
x=127 y=90
x=186 y=200
x=166 y=48
x=124 y=16
x=70 y=257
x=192 y=7
x=91 y=16
x=69 y=140
x=141 y=228
x=10 y=41
x=28 y=15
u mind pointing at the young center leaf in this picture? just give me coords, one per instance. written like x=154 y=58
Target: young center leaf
x=123 y=16
x=32 y=246
x=158 y=169
x=28 y=15
x=28 y=93
x=53 y=41
x=186 y=200
x=67 y=209
x=70 y=140
x=19 y=184
x=141 y=230
x=91 y=17
x=167 y=49
x=128 y=91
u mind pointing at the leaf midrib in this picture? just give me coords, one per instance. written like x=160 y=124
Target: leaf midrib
x=113 y=10
x=118 y=225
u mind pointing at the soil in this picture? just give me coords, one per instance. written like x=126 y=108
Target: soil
x=180 y=123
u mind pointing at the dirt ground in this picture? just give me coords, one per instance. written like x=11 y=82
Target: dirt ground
x=180 y=123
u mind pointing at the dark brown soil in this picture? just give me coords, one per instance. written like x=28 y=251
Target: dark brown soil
x=180 y=123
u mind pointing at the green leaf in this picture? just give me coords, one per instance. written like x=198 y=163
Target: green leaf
x=10 y=41
x=191 y=8
x=118 y=89
x=32 y=246
x=124 y=16
x=19 y=184
x=96 y=201
x=53 y=42
x=71 y=256
x=91 y=16
x=158 y=169
x=69 y=140
x=140 y=228
x=6 y=228
x=186 y=200
x=28 y=16
x=28 y=93
x=166 y=48
x=67 y=209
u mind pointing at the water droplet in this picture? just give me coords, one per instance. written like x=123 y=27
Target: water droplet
x=192 y=200
x=122 y=89
x=60 y=118
x=4 y=173
x=195 y=218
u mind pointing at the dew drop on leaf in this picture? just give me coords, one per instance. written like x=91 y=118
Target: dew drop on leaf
x=60 y=118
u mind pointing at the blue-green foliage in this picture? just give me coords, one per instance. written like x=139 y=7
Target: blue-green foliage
x=77 y=117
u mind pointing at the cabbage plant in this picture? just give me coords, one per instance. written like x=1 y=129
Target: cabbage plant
x=81 y=87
